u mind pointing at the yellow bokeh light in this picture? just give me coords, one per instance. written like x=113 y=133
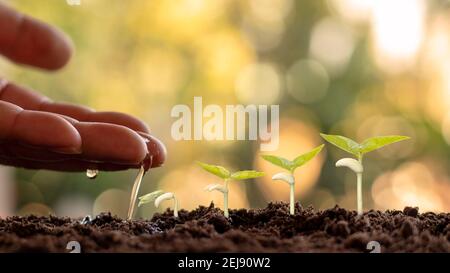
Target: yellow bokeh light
x=165 y=18
x=331 y=35
x=270 y=10
x=222 y=55
x=398 y=28
x=307 y=81
x=353 y=10
x=411 y=184
x=114 y=93
x=258 y=84
x=159 y=71
x=264 y=22
x=438 y=41
x=38 y=209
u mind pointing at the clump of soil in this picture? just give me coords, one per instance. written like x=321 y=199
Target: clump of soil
x=205 y=229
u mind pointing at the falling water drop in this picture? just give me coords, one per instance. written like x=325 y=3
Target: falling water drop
x=91 y=174
x=135 y=191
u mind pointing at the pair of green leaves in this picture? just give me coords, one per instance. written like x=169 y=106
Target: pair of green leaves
x=297 y=162
x=359 y=149
x=226 y=174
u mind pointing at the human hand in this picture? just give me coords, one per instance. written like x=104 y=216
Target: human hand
x=38 y=133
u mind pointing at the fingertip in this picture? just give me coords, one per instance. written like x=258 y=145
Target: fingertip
x=41 y=45
x=60 y=50
x=156 y=150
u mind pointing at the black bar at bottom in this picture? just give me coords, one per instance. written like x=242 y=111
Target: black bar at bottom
x=221 y=262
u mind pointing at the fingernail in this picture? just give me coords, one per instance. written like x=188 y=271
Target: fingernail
x=156 y=149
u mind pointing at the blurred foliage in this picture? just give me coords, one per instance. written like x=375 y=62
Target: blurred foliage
x=355 y=68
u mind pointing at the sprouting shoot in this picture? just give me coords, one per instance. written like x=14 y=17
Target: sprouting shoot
x=226 y=176
x=157 y=197
x=291 y=166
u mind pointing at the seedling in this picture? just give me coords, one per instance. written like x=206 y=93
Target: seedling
x=359 y=150
x=159 y=196
x=226 y=175
x=291 y=166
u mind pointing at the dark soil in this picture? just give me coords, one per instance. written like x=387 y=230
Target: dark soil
x=206 y=230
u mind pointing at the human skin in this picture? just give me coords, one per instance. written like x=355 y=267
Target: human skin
x=38 y=133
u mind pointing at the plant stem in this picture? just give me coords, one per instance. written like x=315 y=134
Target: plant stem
x=291 y=199
x=359 y=193
x=175 y=207
x=225 y=200
x=359 y=190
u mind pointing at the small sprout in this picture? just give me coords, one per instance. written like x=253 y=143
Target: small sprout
x=359 y=150
x=149 y=197
x=291 y=166
x=226 y=176
x=159 y=196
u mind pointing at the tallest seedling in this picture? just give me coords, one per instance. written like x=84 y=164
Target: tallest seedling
x=359 y=150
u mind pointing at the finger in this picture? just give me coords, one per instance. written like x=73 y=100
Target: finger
x=38 y=129
x=93 y=141
x=157 y=150
x=31 y=100
x=26 y=153
x=155 y=153
x=29 y=41
x=69 y=165
x=111 y=143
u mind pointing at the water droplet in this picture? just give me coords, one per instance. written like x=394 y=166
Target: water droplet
x=91 y=174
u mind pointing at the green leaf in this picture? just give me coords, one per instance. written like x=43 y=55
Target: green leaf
x=216 y=170
x=242 y=175
x=279 y=161
x=375 y=143
x=343 y=143
x=305 y=158
x=150 y=197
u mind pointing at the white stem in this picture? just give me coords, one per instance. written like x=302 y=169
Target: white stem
x=359 y=193
x=359 y=190
x=357 y=167
x=225 y=200
x=175 y=207
x=291 y=199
